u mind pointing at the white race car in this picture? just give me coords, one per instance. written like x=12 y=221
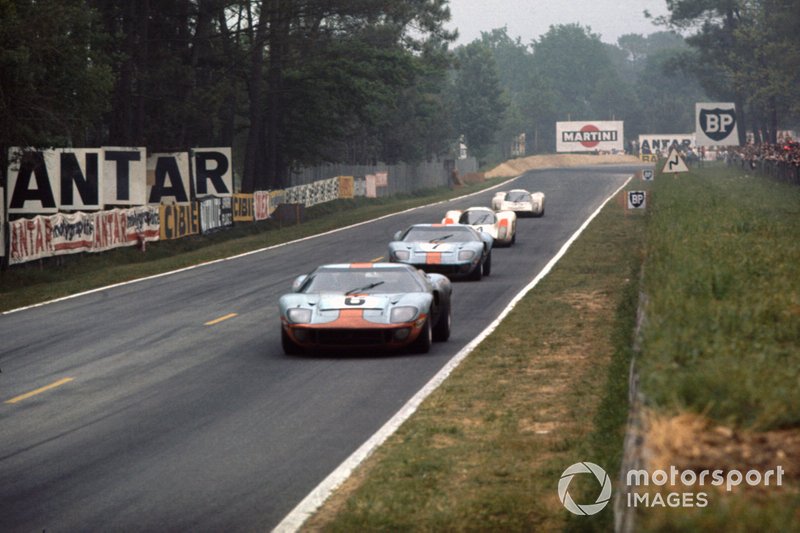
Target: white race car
x=502 y=225
x=522 y=202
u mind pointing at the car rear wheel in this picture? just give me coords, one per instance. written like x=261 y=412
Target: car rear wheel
x=289 y=346
x=425 y=339
x=442 y=330
x=487 y=265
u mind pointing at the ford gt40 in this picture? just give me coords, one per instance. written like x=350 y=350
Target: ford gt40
x=365 y=305
x=456 y=250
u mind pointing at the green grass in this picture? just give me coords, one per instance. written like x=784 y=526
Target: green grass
x=35 y=282
x=547 y=389
x=723 y=277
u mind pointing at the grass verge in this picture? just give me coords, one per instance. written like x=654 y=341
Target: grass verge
x=720 y=364
x=723 y=278
x=35 y=282
x=547 y=389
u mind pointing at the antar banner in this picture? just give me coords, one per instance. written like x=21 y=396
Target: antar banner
x=88 y=179
x=650 y=145
x=590 y=136
x=45 y=236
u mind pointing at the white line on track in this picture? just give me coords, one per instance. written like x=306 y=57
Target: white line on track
x=317 y=497
x=260 y=250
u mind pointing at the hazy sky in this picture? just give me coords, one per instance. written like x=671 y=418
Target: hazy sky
x=529 y=19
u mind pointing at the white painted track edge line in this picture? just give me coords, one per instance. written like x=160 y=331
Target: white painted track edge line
x=314 y=500
x=252 y=252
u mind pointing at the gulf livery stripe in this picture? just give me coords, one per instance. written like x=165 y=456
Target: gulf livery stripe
x=433 y=258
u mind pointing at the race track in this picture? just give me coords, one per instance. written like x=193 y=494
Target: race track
x=167 y=423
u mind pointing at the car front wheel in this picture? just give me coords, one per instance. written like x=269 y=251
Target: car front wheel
x=289 y=346
x=425 y=339
x=442 y=330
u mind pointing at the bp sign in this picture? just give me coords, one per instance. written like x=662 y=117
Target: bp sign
x=715 y=124
x=637 y=199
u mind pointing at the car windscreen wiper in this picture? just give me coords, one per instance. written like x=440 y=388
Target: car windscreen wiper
x=366 y=288
x=438 y=240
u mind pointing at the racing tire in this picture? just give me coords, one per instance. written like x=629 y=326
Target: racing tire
x=442 y=330
x=289 y=346
x=476 y=274
x=487 y=265
x=422 y=344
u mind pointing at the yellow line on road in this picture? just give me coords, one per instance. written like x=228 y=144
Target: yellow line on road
x=27 y=395
x=220 y=319
x=376 y=259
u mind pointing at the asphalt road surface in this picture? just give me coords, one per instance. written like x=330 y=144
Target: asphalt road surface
x=166 y=412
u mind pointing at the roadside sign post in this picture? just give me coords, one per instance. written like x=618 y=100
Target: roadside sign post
x=674 y=164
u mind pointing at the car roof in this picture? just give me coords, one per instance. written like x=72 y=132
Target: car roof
x=479 y=208
x=374 y=266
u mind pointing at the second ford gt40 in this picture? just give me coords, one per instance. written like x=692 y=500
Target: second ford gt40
x=365 y=305
x=455 y=250
x=501 y=225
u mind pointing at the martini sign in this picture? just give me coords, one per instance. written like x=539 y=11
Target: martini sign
x=600 y=135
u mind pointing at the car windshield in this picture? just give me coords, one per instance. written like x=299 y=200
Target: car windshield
x=518 y=196
x=447 y=233
x=476 y=218
x=362 y=281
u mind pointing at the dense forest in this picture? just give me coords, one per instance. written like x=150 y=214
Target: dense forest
x=291 y=83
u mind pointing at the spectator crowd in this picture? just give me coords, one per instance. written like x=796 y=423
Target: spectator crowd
x=781 y=160
x=783 y=152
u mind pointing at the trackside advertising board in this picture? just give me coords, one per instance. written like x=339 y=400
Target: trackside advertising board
x=653 y=144
x=590 y=136
x=716 y=124
x=46 y=181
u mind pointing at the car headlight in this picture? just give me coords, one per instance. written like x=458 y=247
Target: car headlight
x=465 y=255
x=403 y=314
x=298 y=315
x=401 y=255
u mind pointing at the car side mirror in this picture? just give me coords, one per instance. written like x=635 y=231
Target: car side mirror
x=298 y=282
x=398 y=236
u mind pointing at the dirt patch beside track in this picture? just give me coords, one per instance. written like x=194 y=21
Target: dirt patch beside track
x=514 y=167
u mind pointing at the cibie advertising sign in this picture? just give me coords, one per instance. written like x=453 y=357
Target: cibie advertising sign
x=599 y=135
x=716 y=124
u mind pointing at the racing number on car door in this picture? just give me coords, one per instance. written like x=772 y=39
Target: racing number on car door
x=354 y=301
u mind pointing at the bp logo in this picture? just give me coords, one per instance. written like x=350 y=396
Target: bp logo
x=602 y=479
x=717 y=123
x=637 y=199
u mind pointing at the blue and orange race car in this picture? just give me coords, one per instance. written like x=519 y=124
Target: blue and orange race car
x=456 y=250
x=365 y=305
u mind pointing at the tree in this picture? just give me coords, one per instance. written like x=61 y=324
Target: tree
x=55 y=79
x=479 y=106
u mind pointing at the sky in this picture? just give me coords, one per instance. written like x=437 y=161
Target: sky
x=529 y=19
